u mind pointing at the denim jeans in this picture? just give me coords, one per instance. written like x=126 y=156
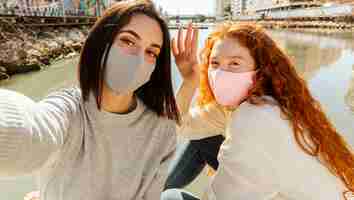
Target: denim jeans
x=191 y=158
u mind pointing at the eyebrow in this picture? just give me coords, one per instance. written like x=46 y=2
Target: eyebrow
x=138 y=37
x=230 y=57
x=239 y=57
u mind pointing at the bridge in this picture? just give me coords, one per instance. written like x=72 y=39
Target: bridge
x=56 y=15
x=191 y=17
x=40 y=19
x=70 y=8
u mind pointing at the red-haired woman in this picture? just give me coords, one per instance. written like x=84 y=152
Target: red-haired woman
x=279 y=143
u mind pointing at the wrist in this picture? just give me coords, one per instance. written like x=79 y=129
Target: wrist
x=191 y=83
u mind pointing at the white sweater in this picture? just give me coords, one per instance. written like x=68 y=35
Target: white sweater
x=84 y=153
x=261 y=160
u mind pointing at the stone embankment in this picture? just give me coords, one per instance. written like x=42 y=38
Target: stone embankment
x=25 y=49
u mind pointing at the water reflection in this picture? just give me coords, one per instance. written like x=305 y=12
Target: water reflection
x=349 y=97
x=38 y=84
x=326 y=63
x=310 y=52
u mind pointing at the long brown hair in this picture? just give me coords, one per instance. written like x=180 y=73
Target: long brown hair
x=157 y=94
x=276 y=77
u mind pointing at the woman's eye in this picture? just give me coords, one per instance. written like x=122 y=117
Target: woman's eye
x=127 y=42
x=152 y=54
x=234 y=63
x=213 y=62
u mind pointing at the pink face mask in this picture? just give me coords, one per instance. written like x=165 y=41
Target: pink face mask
x=230 y=88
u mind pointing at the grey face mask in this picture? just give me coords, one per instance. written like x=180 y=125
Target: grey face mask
x=125 y=73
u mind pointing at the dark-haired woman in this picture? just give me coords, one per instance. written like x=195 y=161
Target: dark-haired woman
x=110 y=138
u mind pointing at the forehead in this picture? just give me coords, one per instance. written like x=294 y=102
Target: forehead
x=146 y=27
x=228 y=47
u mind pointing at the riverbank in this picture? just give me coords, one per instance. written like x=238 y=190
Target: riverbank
x=25 y=49
x=311 y=26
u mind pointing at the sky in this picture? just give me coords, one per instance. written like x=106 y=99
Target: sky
x=187 y=6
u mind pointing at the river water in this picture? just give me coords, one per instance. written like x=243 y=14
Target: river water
x=327 y=63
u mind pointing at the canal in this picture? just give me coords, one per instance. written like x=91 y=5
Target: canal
x=325 y=62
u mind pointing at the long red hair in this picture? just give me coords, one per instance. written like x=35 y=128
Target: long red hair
x=276 y=77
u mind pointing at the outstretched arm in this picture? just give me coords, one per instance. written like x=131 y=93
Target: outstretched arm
x=30 y=132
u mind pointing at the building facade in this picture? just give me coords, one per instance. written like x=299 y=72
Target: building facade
x=250 y=7
x=222 y=8
x=238 y=7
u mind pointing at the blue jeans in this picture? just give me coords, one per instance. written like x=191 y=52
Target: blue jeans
x=191 y=158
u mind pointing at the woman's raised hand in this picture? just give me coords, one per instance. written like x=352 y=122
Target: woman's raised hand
x=185 y=49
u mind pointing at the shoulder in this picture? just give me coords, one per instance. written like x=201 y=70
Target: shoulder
x=169 y=125
x=258 y=119
x=65 y=98
x=171 y=132
x=70 y=93
x=164 y=131
x=261 y=127
x=262 y=112
x=167 y=131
